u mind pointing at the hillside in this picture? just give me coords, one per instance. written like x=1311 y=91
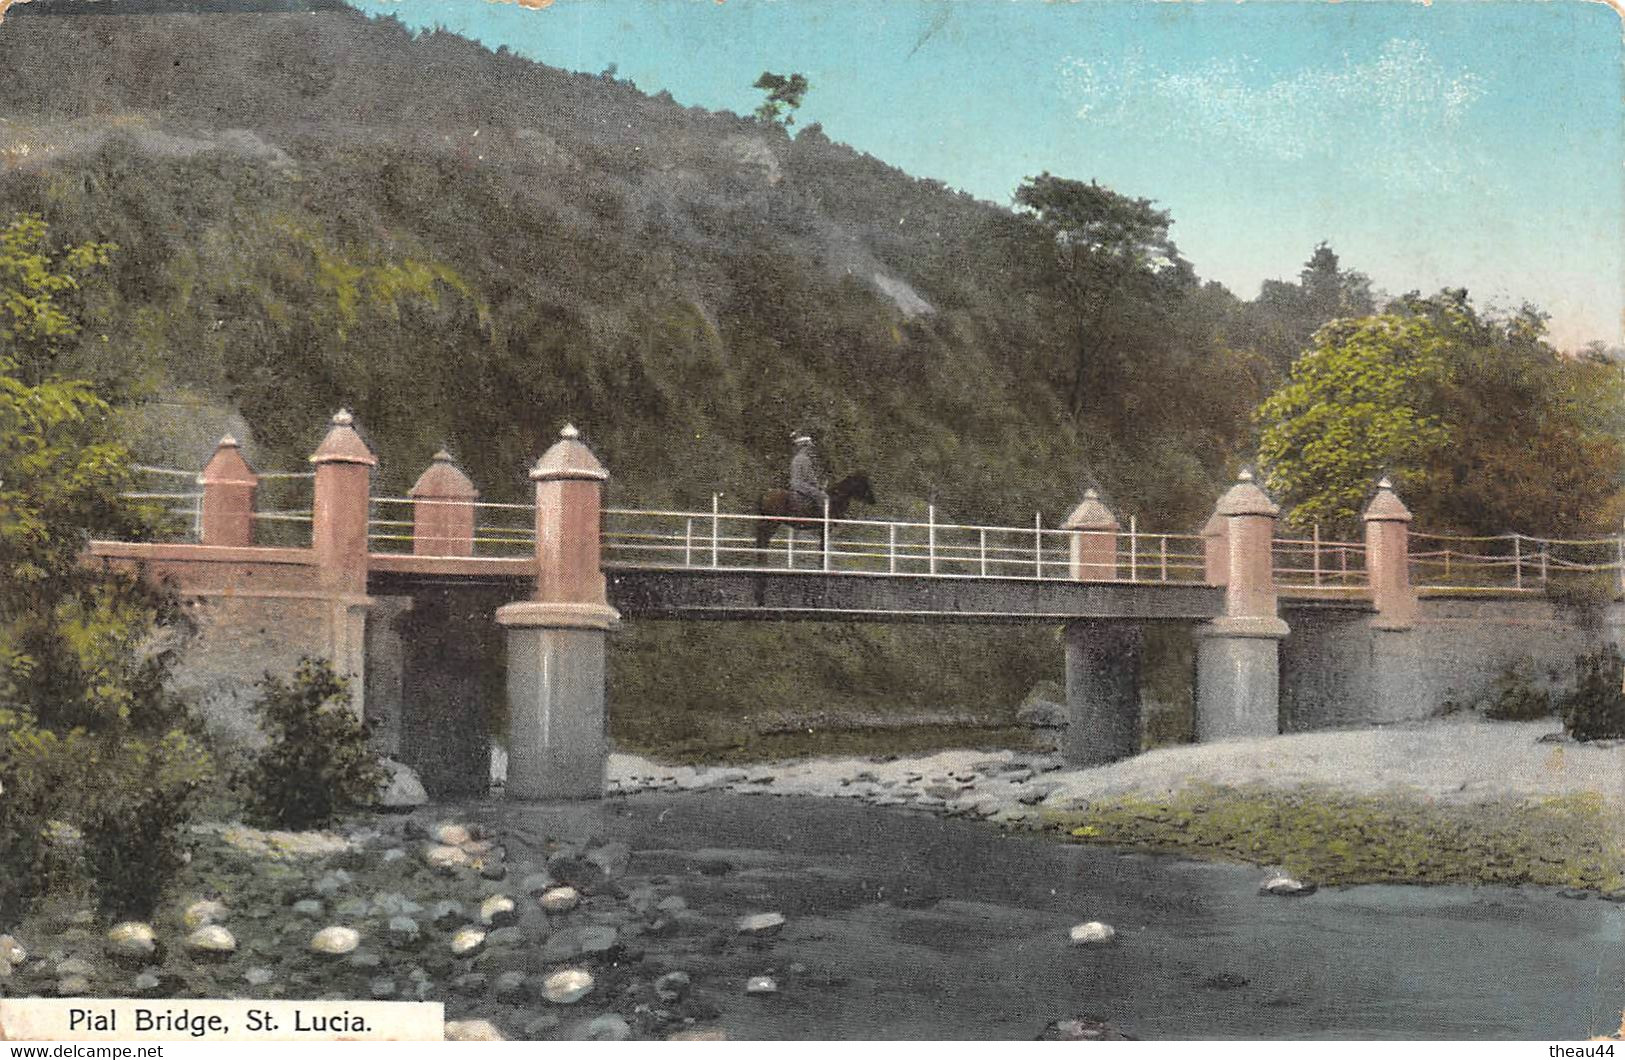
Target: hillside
x=469 y=248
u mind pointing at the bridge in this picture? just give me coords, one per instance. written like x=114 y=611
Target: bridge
x=397 y=590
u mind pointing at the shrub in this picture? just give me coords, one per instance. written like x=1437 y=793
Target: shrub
x=1515 y=697
x=317 y=763
x=1595 y=710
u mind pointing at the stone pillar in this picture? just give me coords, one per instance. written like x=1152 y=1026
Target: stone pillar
x=1094 y=539
x=1388 y=561
x=443 y=510
x=1216 y=550
x=1102 y=691
x=1238 y=655
x=228 y=497
x=338 y=535
x=558 y=744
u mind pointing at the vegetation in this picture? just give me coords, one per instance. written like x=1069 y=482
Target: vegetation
x=1595 y=709
x=1515 y=697
x=784 y=96
x=97 y=759
x=1331 y=837
x=317 y=762
x=1484 y=425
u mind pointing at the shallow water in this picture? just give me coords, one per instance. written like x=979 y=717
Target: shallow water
x=910 y=925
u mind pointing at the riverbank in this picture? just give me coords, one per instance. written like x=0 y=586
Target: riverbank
x=1448 y=800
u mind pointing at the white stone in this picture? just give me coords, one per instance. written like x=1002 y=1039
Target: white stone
x=760 y=923
x=206 y=911
x=472 y=1031
x=211 y=939
x=560 y=899
x=12 y=951
x=132 y=939
x=761 y=984
x=335 y=941
x=445 y=857
x=403 y=790
x=1092 y=934
x=451 y=835
x=567 y=986
x=498 y=911
x=466 y=941
x=1286 y=887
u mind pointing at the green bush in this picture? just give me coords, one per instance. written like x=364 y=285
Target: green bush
x=318 y=762
x=1595 y=710
x=1515 y=697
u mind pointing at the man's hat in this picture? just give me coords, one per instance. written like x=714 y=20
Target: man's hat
x=802 y=438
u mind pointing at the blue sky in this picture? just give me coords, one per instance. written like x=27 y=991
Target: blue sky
x=1470 y=143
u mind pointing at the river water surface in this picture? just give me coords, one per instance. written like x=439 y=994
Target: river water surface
x=902 y=924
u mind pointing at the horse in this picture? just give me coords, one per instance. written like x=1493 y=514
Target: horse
x=804 y=516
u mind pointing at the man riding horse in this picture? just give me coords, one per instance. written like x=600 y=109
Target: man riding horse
x=805 y=476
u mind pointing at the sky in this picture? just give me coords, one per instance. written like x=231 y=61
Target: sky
x=1467 y=143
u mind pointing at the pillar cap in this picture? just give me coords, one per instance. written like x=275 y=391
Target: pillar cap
x=342 y=444
x=227 y=467
x=569 y=458
x=1386 y=507
x=1091 y=514
x=1246 y=498
x=444 y=480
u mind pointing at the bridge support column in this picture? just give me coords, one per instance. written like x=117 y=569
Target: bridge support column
x=229 y=485
x=558 y=742
x=338 y=536
x=1238 y=670
x=1102 y=692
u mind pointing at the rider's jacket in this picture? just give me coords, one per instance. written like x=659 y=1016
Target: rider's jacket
x=804 y=476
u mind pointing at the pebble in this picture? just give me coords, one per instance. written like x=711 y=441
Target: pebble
x=538 y=1027
x=393 y=854
x=760 y=923
x=451 y=835
x=472 y=1031
x=609 y=1027
x=672 y=987
x=12 y=951
x=382 y=988
x=446 y=858
x=335 y=941
x=471 y=984
x=467 y=941
x=510 y=988
x=211 y=940
x=146 y=984
x=560 y=899
x=674 y=904
x=132 y=940
x=761 y=984
x=1286 y=887
x=535 y=883
x=333 y=883
x=72 y=966
x=447 y=912
x=72 y=986
x=498 y=911
x=258 y=976
x=567 y=986
x=205 y=911
x=1092 y=934
x=389 y=903
x=353 y=909
x=308 y=907
x=366 y=961
x=403 y=929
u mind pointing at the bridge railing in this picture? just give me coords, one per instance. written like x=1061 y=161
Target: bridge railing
x=498 y=529
x=727 y=540
x=284 y=509
x=1319 y=564
x=1516 y=562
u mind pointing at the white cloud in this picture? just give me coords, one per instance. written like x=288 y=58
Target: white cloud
x=1393 y=117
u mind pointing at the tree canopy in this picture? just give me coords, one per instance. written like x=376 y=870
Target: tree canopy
x=1485 y=427
x=784 y=96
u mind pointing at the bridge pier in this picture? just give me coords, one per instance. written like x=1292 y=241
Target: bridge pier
x=1102 y=691
x=1238 y=669
x=558 y=738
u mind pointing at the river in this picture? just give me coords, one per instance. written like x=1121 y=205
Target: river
x=905 y=925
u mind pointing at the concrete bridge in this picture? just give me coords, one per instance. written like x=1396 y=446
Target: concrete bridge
x=401 y=593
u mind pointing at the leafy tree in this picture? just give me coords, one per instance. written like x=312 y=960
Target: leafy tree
x=39 y=294
x=1281 y=322
x=784 y=96
x=1116 y=270
x=89 y=735
x=1486 y=427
